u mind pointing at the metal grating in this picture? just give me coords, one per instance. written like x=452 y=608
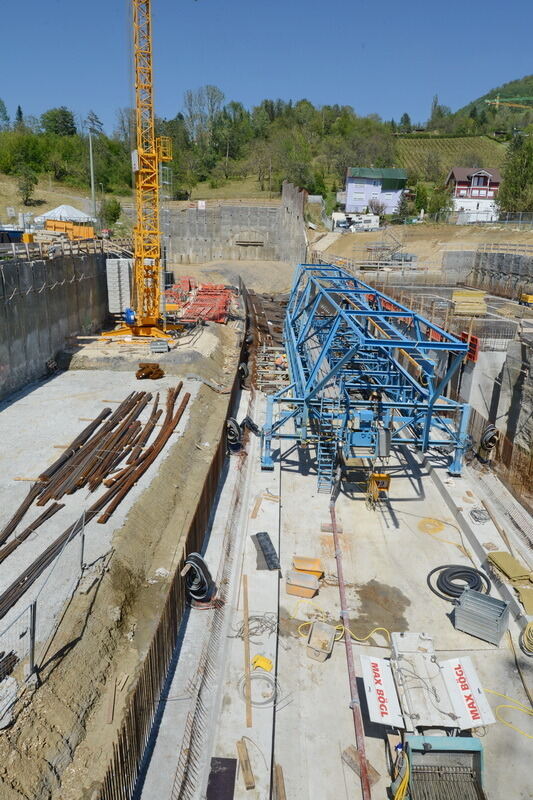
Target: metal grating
x=444 y=783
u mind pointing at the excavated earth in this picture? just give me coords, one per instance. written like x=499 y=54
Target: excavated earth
x=60 y=741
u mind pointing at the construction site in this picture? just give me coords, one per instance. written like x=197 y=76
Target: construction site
x=266 y=506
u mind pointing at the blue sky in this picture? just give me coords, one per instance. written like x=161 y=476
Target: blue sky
x=380 y=57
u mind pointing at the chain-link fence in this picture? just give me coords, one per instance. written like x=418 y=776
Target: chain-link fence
x=492 y=218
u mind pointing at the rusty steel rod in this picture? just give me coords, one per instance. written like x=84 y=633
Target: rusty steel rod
x=131 y=480
x=20 y=512
x=74 y=445
x=355 y=703
x=11 y=546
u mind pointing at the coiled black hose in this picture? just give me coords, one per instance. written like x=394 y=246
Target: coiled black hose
x=453 y=579
x=198 y=581
x=489 y=437
x=233 y=431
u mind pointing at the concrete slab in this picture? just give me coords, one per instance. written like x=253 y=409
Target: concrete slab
x=387 y=554
x=53 y=413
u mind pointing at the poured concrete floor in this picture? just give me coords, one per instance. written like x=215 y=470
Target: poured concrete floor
x=387 y=556
x=35 y=426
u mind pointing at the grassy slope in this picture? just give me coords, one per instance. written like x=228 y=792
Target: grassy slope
x=412 y=153
x=48 y=195
x=523 y=87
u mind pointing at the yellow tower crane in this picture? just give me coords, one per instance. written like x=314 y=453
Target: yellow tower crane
x=144 y=318
x=511 y=102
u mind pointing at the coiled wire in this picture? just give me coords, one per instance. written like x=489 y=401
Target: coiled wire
x=199 y=584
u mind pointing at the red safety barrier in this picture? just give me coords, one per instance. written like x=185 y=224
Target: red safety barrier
x=473 y=346
x=209 y=302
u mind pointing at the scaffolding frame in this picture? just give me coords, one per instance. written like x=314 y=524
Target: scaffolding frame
x=345 y=343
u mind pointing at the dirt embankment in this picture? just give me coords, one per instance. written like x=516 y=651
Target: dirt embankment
x=60 y=742
x=428 y=241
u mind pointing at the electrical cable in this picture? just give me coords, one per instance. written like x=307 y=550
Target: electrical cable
x=341 y=629
x=403 y=788
x=517 y=706
x=199 y=584
x=266 y=677
x=453 y=579
x=526 y=640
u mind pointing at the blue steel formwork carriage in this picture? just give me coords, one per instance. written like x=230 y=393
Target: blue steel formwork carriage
x=366 y=373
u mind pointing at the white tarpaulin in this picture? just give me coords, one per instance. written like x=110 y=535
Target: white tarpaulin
x=66 y=213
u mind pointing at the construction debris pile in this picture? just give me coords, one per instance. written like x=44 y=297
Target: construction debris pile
x=113 y=451
x=193 y=303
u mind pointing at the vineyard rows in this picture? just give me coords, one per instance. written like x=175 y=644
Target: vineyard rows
x=412 y=154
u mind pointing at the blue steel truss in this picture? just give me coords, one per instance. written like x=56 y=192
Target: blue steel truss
x=365 y=370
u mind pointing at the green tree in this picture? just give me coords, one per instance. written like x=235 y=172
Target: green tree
x=4 y=116
x=59 y=121
x=405 y=123
x=110 y=211
x=440 y=202
x=19 y=117
x=27 y=180
x=516 y=190
x=421 y=197
x=402 y=210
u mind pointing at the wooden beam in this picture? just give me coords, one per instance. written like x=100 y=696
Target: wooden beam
x=246 y=642
x=244 y=761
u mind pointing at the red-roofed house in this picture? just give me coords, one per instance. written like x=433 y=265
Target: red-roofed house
x=474 y=189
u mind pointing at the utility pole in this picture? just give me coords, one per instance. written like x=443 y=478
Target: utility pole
x=91 y=160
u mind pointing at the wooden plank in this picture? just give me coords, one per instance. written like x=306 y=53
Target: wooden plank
x=246 y=642
x=497 y=525
x=350 y=756
x=279 y=783
x=244 y=761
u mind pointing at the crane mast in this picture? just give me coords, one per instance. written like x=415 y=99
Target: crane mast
x=144 y=318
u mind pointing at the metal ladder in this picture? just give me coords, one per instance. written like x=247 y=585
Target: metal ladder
x=326 y=450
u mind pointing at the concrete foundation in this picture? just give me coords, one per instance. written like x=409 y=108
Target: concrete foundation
x=41 y=304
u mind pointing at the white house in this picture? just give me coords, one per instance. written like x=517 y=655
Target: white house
x=366 y=184
x=475 y=190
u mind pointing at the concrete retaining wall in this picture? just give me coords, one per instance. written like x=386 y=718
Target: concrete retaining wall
x=504 y=274
x=240 y=232
x=41 y=303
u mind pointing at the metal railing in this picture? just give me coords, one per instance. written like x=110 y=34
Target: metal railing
x=32 y=251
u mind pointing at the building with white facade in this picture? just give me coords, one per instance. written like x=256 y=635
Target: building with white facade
x=475 y=190
x=365 y=184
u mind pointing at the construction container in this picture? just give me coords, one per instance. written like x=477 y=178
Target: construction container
x=320 y=641
x=311 y=566
x=481 y=616
x=72 y=229
x=27 y=238
x=301 y=584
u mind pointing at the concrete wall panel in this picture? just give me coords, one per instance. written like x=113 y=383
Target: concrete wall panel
x=43 y=302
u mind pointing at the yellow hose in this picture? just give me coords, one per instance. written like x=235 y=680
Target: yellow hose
x=403 y=788
x=341 y=629
x=517 y=706
x=526 y=639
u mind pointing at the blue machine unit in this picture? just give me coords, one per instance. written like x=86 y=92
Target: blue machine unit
x=366 y=373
